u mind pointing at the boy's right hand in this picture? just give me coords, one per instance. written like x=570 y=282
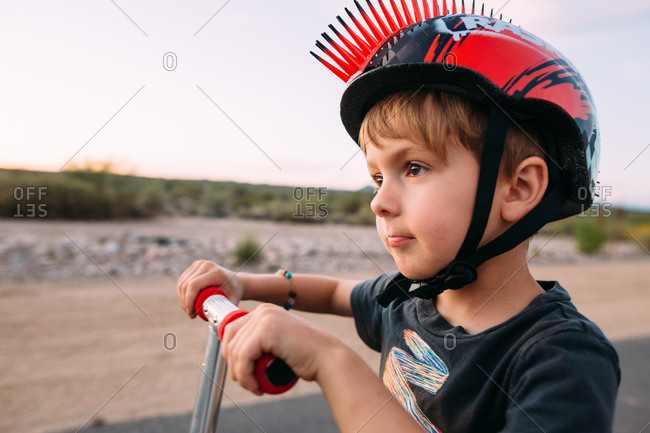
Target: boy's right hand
x=202 y=274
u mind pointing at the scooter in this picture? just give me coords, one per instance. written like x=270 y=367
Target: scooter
x=273 y=375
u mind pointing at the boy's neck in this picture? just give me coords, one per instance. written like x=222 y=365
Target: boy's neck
x=504 y=287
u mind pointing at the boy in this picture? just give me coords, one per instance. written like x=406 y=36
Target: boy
x=476 y=133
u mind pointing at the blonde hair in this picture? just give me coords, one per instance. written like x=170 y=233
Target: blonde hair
x=437 y=118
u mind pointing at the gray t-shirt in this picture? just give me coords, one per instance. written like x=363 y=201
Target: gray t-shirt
x=547 y=369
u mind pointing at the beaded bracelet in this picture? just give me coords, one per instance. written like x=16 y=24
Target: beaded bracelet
x=292 y=293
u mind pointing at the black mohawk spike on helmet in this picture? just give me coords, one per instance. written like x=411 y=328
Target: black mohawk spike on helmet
x=514 y=73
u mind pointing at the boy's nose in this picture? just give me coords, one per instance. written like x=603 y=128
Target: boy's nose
x=385 y=202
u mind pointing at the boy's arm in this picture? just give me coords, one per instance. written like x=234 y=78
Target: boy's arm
x=358 y=399
x=313 y=292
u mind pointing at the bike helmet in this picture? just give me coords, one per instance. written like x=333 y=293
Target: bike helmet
x=514 y=73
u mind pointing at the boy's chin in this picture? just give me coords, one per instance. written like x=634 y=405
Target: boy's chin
x=418 y=274
x=419 y=271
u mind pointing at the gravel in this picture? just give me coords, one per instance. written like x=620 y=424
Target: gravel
x=66 y=251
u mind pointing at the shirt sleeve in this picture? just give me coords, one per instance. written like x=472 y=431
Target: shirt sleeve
x=367 y=312
x=566 y=382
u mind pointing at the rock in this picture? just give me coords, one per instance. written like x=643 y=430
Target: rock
x=111 y=248
x=162 y=241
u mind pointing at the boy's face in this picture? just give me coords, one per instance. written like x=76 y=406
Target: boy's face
x=423 y=206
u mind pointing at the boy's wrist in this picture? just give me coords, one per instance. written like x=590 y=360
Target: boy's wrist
x=336 y=356
x=258 y=287
x=244 y=281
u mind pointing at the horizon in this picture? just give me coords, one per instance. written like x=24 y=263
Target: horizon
x=597 y=201
x=137 y=175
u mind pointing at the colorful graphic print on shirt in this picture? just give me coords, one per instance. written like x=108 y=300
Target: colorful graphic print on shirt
x=423 y=369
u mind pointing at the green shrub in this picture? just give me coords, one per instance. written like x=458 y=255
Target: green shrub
x=282 y=210
x=247 y=250
x=364 y=217
x=591 y=235
x=216 y=202
x=352 y=202
x=151 y=199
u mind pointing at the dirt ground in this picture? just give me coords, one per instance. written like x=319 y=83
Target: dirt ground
x=83 y=353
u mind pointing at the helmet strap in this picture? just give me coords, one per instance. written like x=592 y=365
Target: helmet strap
x=523 y=229
x=487 y=180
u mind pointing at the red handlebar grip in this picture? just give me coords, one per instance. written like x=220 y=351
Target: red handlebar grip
x=229 y=318
x=203 y=296
x=273 y=375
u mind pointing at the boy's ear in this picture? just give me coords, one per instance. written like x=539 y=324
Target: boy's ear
x=524 y=189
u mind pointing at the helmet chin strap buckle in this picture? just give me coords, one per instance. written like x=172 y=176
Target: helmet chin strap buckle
x=459 y=274
x=456 y=276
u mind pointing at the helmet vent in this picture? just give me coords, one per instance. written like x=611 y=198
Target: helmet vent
x=351 y=55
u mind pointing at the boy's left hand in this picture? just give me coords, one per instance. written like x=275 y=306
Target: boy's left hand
x=272 y=330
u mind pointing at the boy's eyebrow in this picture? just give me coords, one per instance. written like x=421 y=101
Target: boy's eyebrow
x=407 y=150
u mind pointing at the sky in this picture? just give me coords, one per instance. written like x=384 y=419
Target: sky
x=227 y=90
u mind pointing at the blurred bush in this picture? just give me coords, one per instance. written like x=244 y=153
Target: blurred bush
x=599 y=224
x=591 y=235
x=247 y=250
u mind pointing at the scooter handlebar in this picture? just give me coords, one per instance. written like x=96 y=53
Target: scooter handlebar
x=273 y=375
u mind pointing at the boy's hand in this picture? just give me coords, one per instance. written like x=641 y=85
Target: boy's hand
x=202 y=274
x=272 y=330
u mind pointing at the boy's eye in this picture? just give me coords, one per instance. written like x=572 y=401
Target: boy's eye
x=377 y=179
x=415 y=169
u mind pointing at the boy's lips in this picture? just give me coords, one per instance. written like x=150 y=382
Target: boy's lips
x=396 y=241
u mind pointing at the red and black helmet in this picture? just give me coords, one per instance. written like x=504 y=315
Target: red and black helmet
x=494 y=63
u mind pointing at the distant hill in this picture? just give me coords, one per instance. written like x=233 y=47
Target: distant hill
x=100 y=194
